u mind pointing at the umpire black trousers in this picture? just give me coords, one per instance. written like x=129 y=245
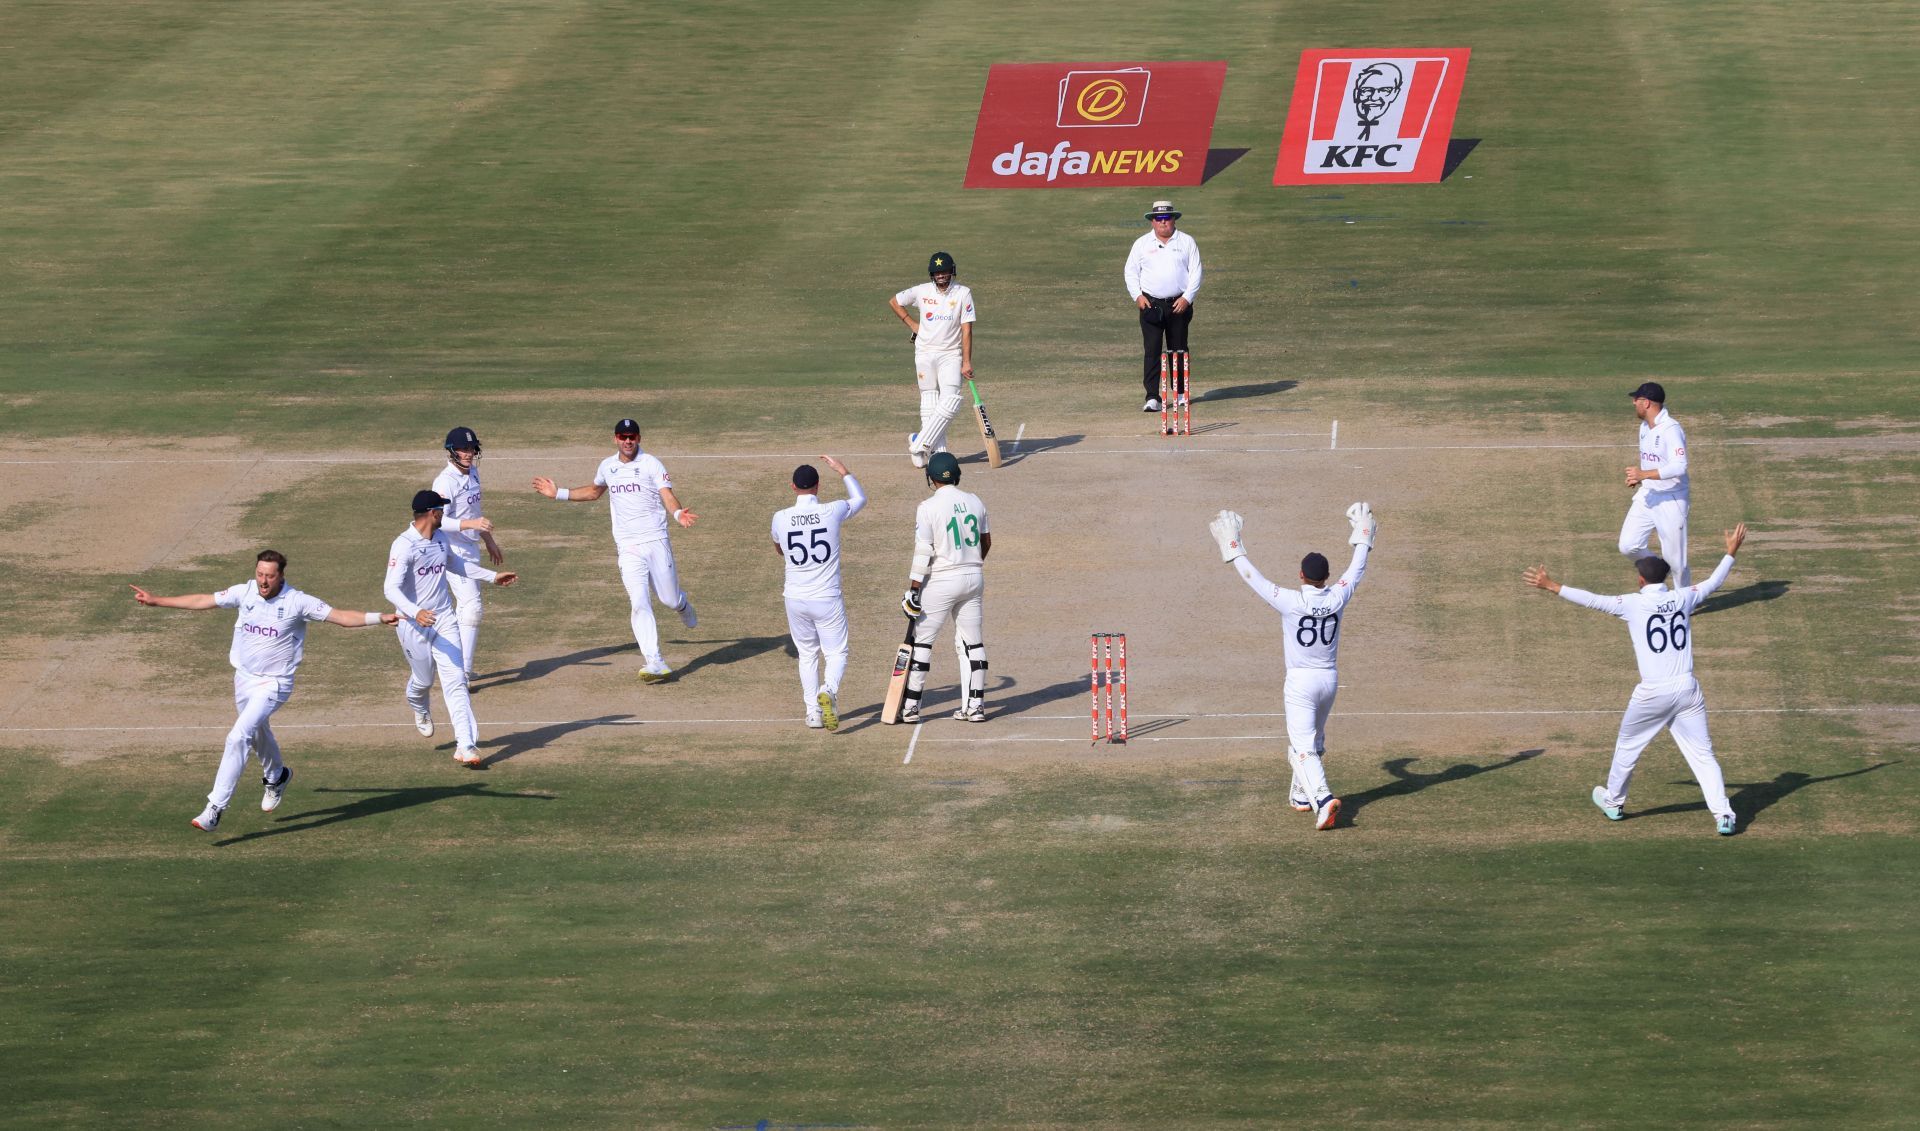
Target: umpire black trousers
x=1161 y=329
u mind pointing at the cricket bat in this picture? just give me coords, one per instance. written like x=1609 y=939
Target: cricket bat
x=986 y=426
x=897 y=686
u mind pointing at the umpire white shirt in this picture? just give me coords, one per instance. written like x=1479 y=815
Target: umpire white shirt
x=1164 y=270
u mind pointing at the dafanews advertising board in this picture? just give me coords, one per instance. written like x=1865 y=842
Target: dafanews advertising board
x=1368 y=116
x=1086 y=125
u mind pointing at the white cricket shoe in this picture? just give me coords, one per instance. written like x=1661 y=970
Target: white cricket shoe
x=423 y=722
x=910 y=715
x=656 y=673
x=973 y=711
x=270 y=800
x=815 y=722
x=209 y=818
x=467 y=756
x=687 y=616
x=829 y=709
x=1152 y=405
x=1326 y=813
x=1298 y=798
x=916 y=454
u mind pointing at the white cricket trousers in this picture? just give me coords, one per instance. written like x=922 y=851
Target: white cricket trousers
x=466 y=597
x=1662 y=513
x=938 y=375
x=646 y=569
x=956 y=595
x=1308 y=696
x=437 y=649
x=1678 y=706
x=255 y=697
x=819 y=627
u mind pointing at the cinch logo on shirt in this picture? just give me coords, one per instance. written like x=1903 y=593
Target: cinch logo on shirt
x=429 y=571
x=265 y=630
x=623 y=488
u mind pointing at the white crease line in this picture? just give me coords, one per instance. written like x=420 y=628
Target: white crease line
x=911 y=743
x=1017 y=433
x=496 y=724
x=1333 y=442
x=1891 y=443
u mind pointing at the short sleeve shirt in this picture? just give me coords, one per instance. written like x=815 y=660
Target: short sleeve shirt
x=270 y=633
x=633 y=490
x=942 y=313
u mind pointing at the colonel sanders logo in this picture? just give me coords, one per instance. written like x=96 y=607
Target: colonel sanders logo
x=1375 y=89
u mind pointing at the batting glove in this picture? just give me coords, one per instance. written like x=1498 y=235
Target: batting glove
x=1364 y=527
x=1226 y=533
x=910 y=604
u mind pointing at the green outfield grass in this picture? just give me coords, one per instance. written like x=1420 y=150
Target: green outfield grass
x=237 y=231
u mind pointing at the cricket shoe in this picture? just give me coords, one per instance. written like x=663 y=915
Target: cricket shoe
x=1152 y=405
x=209 y=818
x=423 y=722
x=1298 y=798
x=656 y=673
x=687 y=616
x=270 y=800
x=914 y=451
x=814 y=722
x=1326 y=814
x=1600 y=799
x=910 y=715
x=1724 y=825
x=829 y=710
x=975 y=711
x=468 y=756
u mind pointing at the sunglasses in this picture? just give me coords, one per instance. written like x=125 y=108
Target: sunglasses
x=626 y=435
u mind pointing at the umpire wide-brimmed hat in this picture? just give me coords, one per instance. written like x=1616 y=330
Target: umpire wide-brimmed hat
x=1162 y=208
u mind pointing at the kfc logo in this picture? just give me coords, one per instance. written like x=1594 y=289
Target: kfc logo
x=1371 y=117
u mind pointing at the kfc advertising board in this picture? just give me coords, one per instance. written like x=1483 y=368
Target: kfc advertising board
x=1085 y=125
x=1371 y=116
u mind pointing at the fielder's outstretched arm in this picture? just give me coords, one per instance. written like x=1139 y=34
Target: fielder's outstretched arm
x=585 y=494
x=194 y=601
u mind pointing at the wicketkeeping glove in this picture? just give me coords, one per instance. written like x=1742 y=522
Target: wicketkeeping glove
x=1226 y=533
x=1364 y=527
x=910 y=604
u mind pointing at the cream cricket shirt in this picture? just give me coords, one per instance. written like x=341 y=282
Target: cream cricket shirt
x=1663 y=446
x=462 y=493
x=270 y=633
x=633 y=491
x=808 y=534
x=942 y=313
x=946 y=531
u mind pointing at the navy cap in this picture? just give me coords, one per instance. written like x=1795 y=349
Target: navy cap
x=1652 y=391
x=424 y=501
x=627 y=427
x=1314 y=567
x=806 y=477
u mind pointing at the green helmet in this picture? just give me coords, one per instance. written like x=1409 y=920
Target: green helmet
x=943 y=468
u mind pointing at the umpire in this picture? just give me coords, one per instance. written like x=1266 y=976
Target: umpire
x=1163 y=275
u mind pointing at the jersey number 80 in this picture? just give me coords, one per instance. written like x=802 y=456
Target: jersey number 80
x=1317 y=630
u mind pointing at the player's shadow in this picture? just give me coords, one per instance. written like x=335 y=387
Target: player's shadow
x=376 y=802
x=732 y=651
x=1236 y=392
x=513 y=745
x=1745 y=595
x=536 y=669
x=1406 y=782
x=1750 y=799
x=936 y=703
x=1033 y=445
x=1457 y=150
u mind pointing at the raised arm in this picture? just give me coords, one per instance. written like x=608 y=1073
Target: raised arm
x=357 y=619
x=1536 y=576
x=196 y=601
x=1225 y=529
x=1733 y=539
x=856 y=498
